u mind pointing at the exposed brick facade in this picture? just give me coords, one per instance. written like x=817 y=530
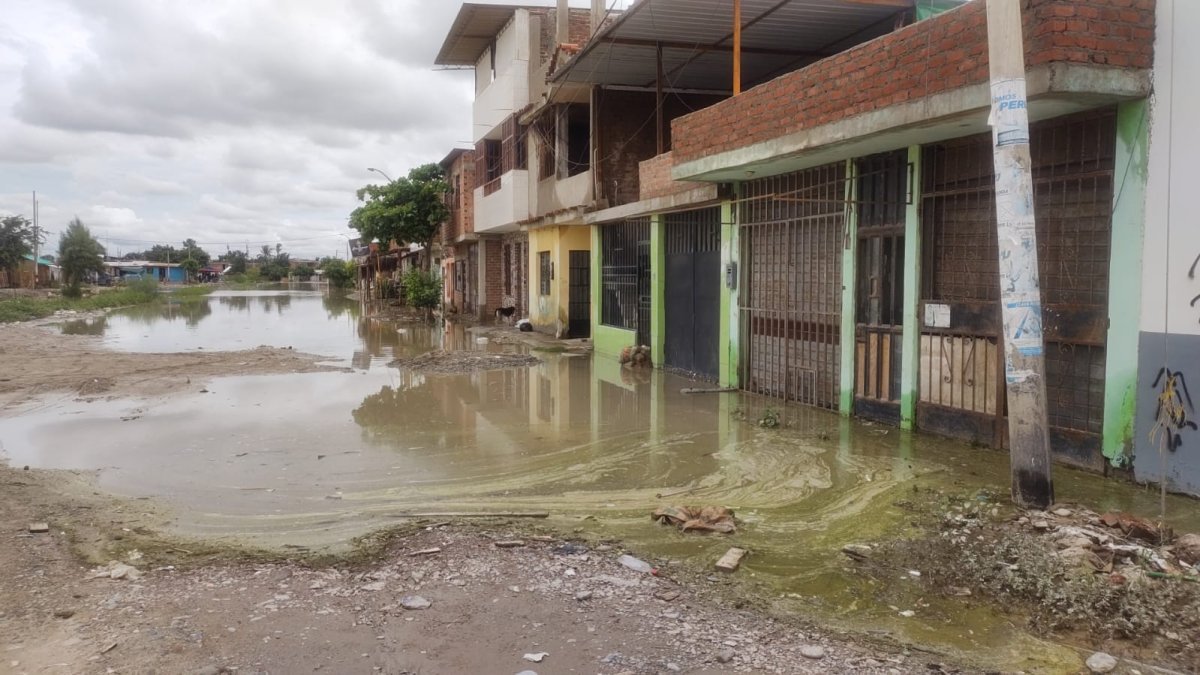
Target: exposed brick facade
x=627 y=136
x=654 y=178
x=490 y=249
x=940 y=54
x=460 y=176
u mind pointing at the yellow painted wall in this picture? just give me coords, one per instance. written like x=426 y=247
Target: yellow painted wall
x=549 y=312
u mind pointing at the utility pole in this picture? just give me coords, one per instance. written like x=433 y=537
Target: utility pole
x=1020 y=289
x=37 y=249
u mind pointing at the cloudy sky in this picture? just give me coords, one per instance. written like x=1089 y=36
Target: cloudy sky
x=233 y=122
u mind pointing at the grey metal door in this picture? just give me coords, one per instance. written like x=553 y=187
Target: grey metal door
x=579 y=307
x=693 y=291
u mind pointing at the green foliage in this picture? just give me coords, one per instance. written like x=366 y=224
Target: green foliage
x=409 y=210
x=79 y=254
x=422 y=289
x=237 y=261
x=16 y=241
x=273 y=266
x=170 y=254
x=191 y=266
x=136 y=293
x=304 y=272
x=339 y=273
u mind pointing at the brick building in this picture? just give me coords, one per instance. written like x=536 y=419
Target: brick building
x=827 y=235
x=461 y=261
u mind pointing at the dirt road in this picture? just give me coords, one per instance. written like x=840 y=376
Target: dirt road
x=197 y=607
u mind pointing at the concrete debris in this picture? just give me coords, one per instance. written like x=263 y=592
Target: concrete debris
x=536 y=657
x=1187 y=549
x=732 y=559
x=1063 y=513
x=583 y=595
x=38 y=528
x=636 y=565
x=1100 y=662
x=725 y=655
x=510 y=543
x=812 y=652
x=415 y=602
x=425 y=551
x=64 y=613
x=116 y=570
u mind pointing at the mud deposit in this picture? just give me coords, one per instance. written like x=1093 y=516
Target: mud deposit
x=245 y=466
x=440 y=361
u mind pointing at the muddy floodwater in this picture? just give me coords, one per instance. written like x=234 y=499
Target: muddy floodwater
x=312 y=460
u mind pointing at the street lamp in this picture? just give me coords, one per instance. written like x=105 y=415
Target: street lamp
x=381 y=173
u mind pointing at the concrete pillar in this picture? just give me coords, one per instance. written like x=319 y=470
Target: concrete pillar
x=598 y=12
x=729 y=356
x=1125 y=264
x=910 y=359
x=562 y=22
x=849 y=268
x=658 y=290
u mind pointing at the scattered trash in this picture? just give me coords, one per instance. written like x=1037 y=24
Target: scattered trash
x=731 y=560
x=109 y=648
x=425 y=551
x=1135 y=527
x=510 y=543
x=636 y=565
x=667 y=596
x=703 y=518
x=635 y=356
x=536 y=657
x=39 y=528
x=583 y=595
x=908 y=614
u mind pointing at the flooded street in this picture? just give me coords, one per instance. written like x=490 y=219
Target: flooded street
x=312 y=460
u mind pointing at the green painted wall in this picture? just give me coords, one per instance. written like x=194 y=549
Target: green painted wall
x=730 y=353
x=849 y=264
x=658 y=292
x=1125 y=264
x=606 y=340
x=910 y=360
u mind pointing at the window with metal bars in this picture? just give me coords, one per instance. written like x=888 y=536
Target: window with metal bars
x=545 y=272
x=622 y=271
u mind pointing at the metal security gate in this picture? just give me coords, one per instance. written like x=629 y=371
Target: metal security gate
x=881 y=195
x=579 y=307
x=962 y=389
x=792 y=238
x=693 y=291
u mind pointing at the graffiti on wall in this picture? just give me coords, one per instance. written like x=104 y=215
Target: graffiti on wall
x=1192 y=275
x=1175 y=412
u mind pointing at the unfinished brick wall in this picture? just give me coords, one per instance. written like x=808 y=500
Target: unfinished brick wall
x=460 y=176
x=628 y=137
x=492 y=283
x=654 y=178
x=940 y=54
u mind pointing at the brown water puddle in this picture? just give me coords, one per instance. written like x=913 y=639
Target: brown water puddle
x=313 y=460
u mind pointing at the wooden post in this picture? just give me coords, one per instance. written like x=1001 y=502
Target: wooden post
x=737 y=47
x=1020 y=292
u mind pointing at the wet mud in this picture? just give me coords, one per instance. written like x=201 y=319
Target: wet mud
x=311 y=462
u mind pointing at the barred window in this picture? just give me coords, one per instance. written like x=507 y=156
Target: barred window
x=545 y=272
x=624 y=272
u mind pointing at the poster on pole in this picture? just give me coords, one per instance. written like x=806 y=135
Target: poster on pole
x=1009 y=120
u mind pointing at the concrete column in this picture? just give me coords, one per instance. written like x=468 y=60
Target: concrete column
x=598 y=12
x=658 y=290
x=729 y=355
x=562 y=22
x=1125 y=279
x=910 y=360
x=849 y=268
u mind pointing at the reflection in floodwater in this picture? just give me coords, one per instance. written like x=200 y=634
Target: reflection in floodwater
x=596 y=445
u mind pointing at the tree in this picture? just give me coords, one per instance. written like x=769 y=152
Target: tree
x=236 y=260
x=339 y=273
x=78 y=253
x=192 y=250
x=409 y=210
x=16 y=242
x=191 y=266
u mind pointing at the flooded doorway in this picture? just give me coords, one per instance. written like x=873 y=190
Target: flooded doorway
x=579 y=307
x=693 y=291
x=961 y=373
x=792 y=237
x=882 y=196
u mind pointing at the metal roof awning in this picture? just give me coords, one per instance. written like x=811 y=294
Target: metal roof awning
x=474 y=29
x=696 y=37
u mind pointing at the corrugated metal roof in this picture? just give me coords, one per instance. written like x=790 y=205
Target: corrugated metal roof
x=475 y=27
x=697 y=39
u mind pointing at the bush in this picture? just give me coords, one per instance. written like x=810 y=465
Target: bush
x=422 y=289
